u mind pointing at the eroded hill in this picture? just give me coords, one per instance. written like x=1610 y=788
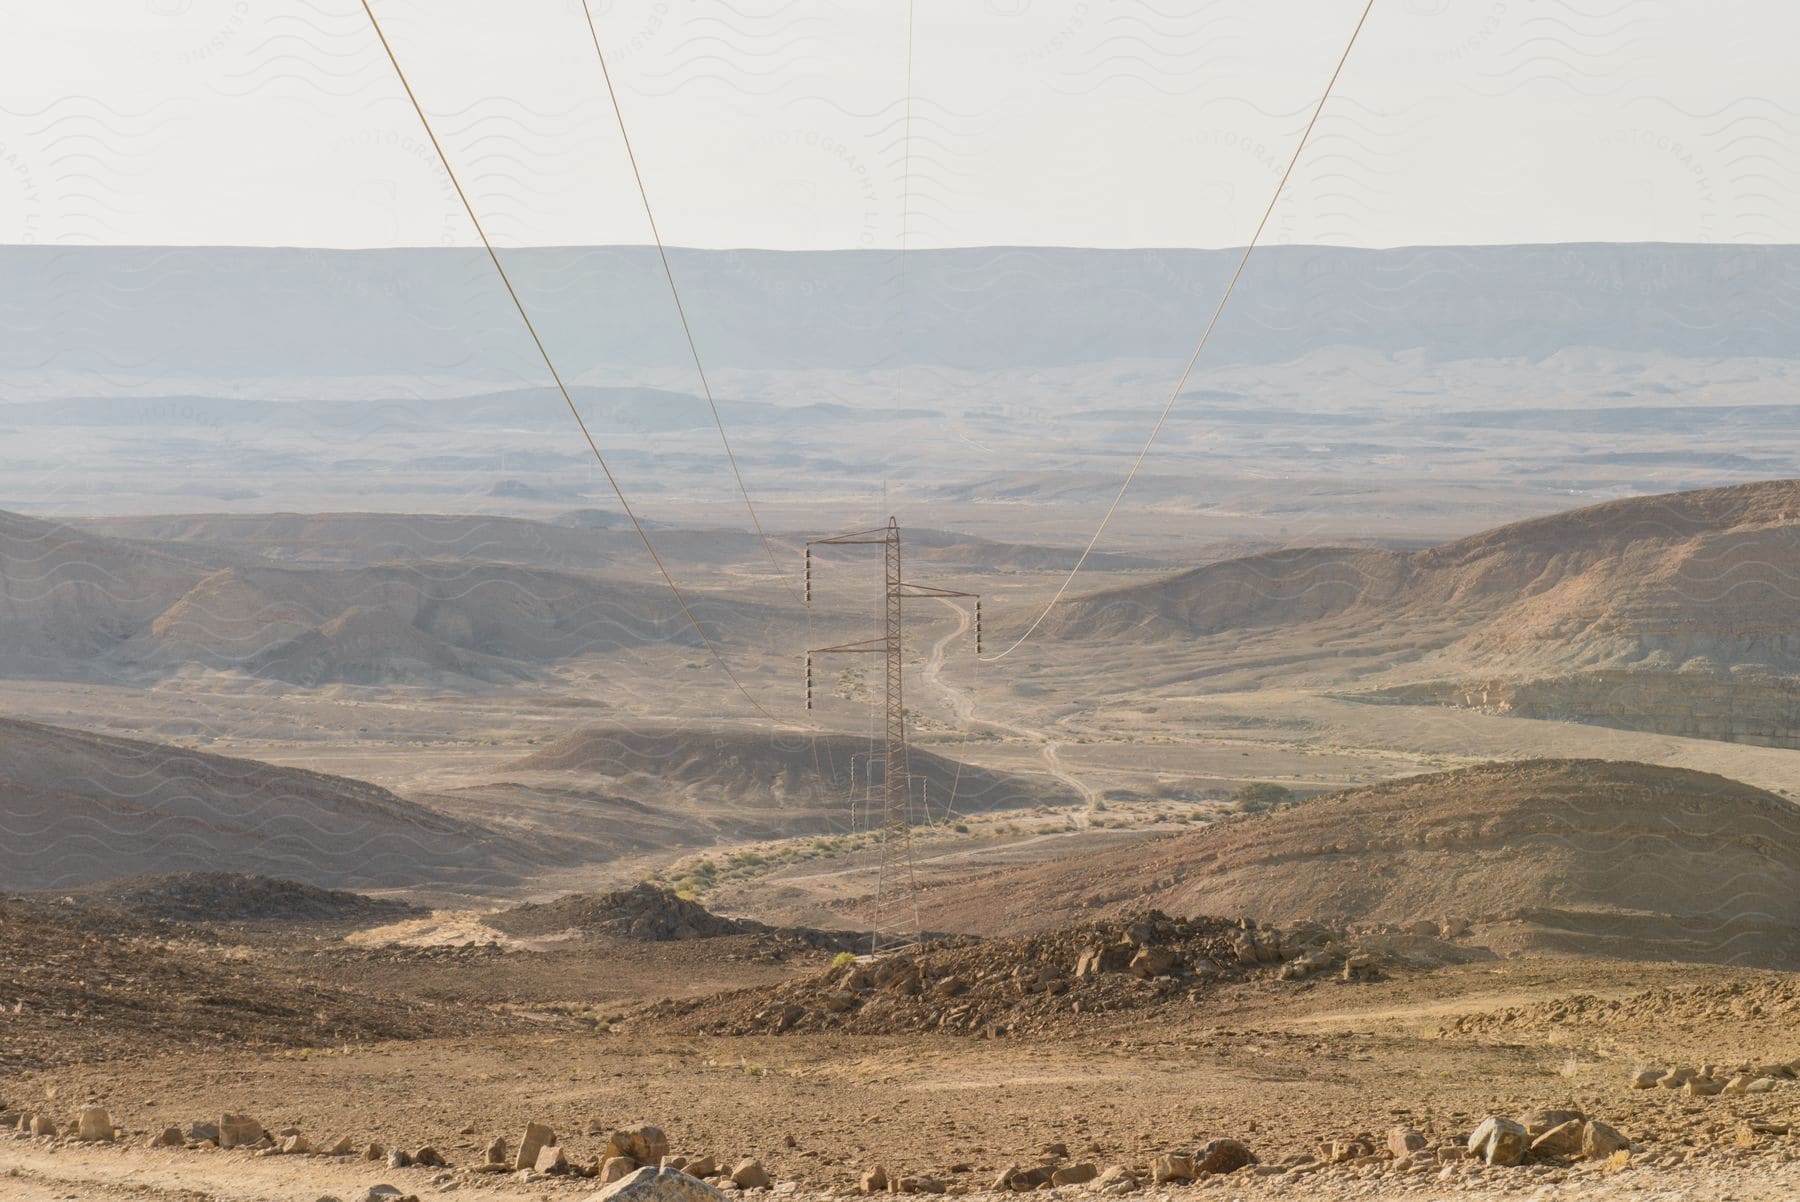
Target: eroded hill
x=1584 y=856
x=77 y=807
x=1673 y=613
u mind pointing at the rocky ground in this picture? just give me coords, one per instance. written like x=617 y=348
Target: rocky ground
x=1156 y=1057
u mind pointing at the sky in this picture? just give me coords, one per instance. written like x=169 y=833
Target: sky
x=788 y=123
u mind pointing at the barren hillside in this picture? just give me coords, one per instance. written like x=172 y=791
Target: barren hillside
x=1696 y=595
x=83 y=605
x=768 y=785
x=1574 y=855
x=77 y=807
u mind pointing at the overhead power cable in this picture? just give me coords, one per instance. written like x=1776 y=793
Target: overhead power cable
x=675 y=292
x=550 y=366
x=1219 y=310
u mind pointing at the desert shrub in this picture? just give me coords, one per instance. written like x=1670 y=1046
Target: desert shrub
x=1258 y=796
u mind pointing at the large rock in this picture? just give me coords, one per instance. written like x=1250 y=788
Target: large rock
x=1223 y=1156
x=1152 y=961
x=238 y=1130
x=644 y=1144
x=1499 y=1141
x=1600 y=1141
x=617 y=1168
x=749 y=1174
x=496 y=1151
x=1404 y=1141
x=1564 y=1139
x=537 y=1137
x=659 y=1185
x=1172 y=1166
x=1540 y=1121
x=42 y=1124
x=1074 y=1174
x=94 y=1125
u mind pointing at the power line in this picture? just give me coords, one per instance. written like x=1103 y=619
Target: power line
x=675 y=292
x=550 y=365
x=1231 y=285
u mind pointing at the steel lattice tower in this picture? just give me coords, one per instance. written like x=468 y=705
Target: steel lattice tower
x=896 y=918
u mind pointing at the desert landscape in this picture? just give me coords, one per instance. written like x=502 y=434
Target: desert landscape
x=660 y=603
x=1328 y=871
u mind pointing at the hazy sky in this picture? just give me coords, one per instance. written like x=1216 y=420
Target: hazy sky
x=781 y=123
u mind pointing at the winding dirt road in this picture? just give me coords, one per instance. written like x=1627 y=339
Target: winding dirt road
x=963 y=706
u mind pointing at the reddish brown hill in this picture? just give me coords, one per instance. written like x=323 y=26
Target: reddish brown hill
x=1585 y=855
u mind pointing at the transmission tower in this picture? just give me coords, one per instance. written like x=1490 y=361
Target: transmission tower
x=896 y=918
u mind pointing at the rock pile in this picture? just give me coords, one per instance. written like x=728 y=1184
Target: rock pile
x=1017 y=986
x=645 y=913
x=1773 y=1001
x=1711 y=1081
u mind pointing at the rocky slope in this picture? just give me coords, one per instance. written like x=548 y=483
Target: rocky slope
x=1582 y=856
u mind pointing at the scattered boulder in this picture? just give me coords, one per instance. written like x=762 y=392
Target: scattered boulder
x=1074 y=1174
x=429 y=1157
x=1499 y=1141
x=42 y=1124
x=1702 y=1087
x=496 y=1151
x=1564 y=1139
x=537 y=1137
x=1540 y=1121
x=1760 y=1085
x=374 y=1152
x=902 y=1185
x=1223 y=1156
x=171 y=1137
x=238 y=1130
x=399 y=1158
x=1172 y=1166
x=1404 y=1141
x=644 y=1144
x=551 y=1162
x=702 y=1166
x=202 y=1132
x=749 y=1174
x=295 y=1145
x=94 y=1125
x=1117 y=1179
x=1647 y=1078
x=873 y=1181
x=1151 y=961
x=617 y=1168
x=342 y=1146
x=659 y=1185
x=1599 y=1141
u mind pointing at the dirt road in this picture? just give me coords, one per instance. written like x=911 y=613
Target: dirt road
x=963 y=706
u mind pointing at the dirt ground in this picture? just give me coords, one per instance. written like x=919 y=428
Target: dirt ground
x=1283 y=1066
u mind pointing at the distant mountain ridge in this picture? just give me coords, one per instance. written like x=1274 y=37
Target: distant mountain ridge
x=241 y=312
